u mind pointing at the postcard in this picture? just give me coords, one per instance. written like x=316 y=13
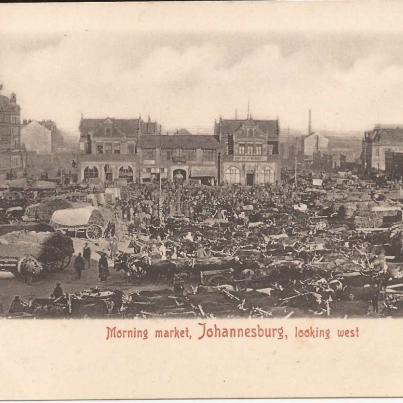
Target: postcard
x=201 y=200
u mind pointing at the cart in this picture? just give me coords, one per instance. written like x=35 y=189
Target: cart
x=80 y=222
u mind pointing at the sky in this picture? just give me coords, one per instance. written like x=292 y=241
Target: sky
x=186 y=65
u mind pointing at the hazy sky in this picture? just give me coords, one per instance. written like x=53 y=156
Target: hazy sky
x=187 y=64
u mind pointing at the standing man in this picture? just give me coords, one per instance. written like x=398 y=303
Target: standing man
x=87 y=254
x=79 y=265
x=103 y=268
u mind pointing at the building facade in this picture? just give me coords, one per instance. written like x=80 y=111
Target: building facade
x=394 y=165
x=11 y=155
x=377 y=142
x=108 y=148
x=250 y=151
x=183 y=157
x=36 y=137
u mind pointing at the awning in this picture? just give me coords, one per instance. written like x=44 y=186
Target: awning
x=197 y=172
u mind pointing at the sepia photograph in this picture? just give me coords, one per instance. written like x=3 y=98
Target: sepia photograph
x=160 y=169
x=201 y=200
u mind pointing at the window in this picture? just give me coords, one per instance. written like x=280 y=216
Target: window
x=149 y=154
x=249 y=149
x=258 y=149
x=241 y=149
x=270 y=149
x=108 y=131
x=90 y=172
x=100 y=148
x=166 y=155
x=189 y=154
x=250 y=132
x=116 y=148
x=126 y=173
x=130 y=148
x=209 y=155
x=232 y=175
x=108 y=148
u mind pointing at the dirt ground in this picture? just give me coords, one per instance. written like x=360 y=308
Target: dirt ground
x=44 y=286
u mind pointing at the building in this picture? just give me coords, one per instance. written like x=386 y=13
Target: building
x=178 y=157
x=377 y=142
x=315 y=142
x=291 y=150
x=11 y=155
x=108 y=148
x=394 y=165
x=42 y=136
x=36 y=137
x=250 y=151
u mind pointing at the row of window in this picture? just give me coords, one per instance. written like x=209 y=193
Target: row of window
x=253 y=149
x=93 y=172
x=112 y=148
x=186 y=154
x=150 y=153
x=6 y=118
x=249 y=149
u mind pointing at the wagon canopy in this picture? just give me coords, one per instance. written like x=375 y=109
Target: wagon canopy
x=77 y=217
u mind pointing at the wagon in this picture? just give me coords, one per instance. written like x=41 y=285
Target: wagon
x=28 y=252
x=86 y=222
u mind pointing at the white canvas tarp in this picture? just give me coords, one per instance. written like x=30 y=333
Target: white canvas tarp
x=72 y=217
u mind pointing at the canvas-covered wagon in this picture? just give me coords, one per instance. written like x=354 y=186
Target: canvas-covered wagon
x=43 y=211
x=86 y=222
x=29 y=253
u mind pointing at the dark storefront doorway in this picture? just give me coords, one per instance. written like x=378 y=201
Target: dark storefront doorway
x=250 y=179
x=179 y=175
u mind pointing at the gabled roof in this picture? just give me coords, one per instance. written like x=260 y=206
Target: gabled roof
x=270 y=127
x=186 y=141
x=386 y=135
x=130 y=127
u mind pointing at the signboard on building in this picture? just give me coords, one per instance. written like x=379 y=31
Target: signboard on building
x=259 y=158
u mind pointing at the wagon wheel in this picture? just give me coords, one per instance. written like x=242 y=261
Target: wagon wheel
x=136 y=270
x=63 y=263
x=93 y=231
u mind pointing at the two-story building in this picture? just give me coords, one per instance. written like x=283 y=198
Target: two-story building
x=108 y=148
x=377 y=142
x=250 y=151
x=178 y=157
x=11 y=155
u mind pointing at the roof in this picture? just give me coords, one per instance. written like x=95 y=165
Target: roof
x=386 y=135
x=269 y=127
x=128 y=127
x=186 y=141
